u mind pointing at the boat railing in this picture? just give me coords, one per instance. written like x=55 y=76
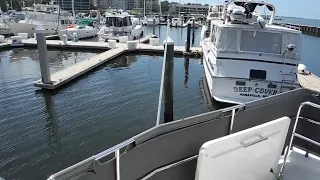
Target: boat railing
x=295 y=134
x=226 y=112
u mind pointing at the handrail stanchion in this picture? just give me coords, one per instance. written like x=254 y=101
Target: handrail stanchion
x=117 y=154
x=298 y=135
x=162 y=76
x=233 y=112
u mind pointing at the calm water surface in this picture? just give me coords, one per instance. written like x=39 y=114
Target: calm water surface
x=43 y=132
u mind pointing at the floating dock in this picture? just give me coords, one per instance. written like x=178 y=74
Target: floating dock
x=64 y=76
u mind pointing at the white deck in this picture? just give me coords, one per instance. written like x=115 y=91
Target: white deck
x=299 y=167
x=311 y=81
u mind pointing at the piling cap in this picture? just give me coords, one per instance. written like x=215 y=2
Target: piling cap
x=169 y=41
x=40 y=29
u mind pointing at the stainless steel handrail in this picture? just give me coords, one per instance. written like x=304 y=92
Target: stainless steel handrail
x=116 y=149
x=298 y=135
x=233 y=112
x=169 y=166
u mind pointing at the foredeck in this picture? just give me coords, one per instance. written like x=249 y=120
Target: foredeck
x=309 y=81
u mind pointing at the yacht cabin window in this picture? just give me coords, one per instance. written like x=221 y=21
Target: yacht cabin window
x=257 y=41
x=118 y=21
x=258 y=74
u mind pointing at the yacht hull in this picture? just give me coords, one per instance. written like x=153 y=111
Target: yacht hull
x=240 y=90
x=30 y=28
x=81 y=33
x=5 y=30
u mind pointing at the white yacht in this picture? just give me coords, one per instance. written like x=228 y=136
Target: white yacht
x=148 y=21
x=119 y=26
x=49 y=16
x=197 y=23
x=245 y=57
x=176 y=22
x=4 y=28
x=85 y=28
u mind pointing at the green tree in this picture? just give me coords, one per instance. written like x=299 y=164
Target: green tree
x=164 y=6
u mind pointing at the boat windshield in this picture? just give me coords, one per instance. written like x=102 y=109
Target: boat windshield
x=118 y=21
x=257 y=41
x=235 y=40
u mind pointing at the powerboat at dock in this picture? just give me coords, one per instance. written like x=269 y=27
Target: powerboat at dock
x=119 y=27
x=85 y=28
x=50 y=17
x=245 y=58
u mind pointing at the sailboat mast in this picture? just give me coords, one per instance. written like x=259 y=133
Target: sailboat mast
x=160 y=8
x=144 y=8
x=73 y=13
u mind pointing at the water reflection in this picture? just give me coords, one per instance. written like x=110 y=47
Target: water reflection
x=186 y=71
x=52 y=123
x=124 y=61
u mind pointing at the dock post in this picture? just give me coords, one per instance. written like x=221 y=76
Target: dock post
x=168 y=81
x=43 y=54
x=188 y=37
x=154 y=26
x=193 y=27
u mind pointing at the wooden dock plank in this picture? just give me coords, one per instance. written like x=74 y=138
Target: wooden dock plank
x=309 y=81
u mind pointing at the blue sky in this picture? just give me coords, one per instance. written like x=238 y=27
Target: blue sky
x=292 y=8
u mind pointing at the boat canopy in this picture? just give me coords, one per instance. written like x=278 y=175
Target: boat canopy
x=86 y=22
x=258 y=41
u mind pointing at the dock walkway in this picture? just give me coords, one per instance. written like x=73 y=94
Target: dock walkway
x=62 y=77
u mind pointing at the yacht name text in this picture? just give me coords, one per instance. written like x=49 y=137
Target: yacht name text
x=254 y=91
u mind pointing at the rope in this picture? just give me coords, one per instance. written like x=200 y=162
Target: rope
x=162 y=75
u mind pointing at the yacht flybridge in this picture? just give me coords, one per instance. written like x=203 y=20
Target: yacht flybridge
x=245 y=57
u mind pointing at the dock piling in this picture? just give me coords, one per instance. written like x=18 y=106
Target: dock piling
x=193 y=29
x=154 y=26
x=188 y=37
x=43 y=55
x=168 y=81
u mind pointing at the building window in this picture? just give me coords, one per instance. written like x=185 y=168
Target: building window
x=258 y=74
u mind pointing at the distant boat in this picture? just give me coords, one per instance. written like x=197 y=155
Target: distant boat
x=49 y=16
x=4 y=28
x=197 y=23
x=148 y=21
x=84 y=28
x=176 y=22
x=119 y=26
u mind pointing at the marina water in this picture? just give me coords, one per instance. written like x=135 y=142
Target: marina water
x=46 y=131
x=43 y=132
